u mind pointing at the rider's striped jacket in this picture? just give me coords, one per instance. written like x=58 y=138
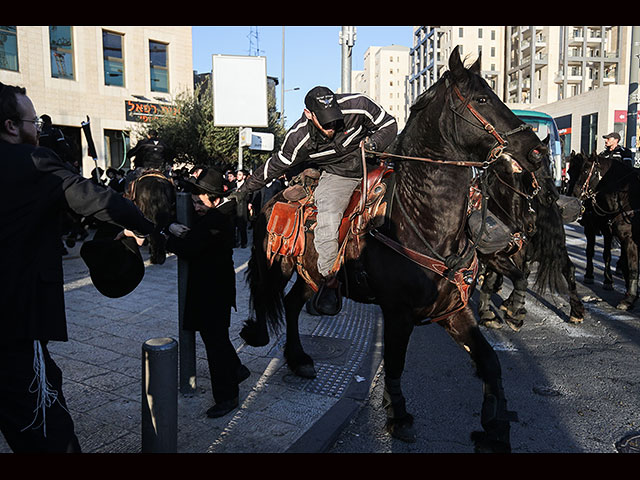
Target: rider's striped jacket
x=304 y=144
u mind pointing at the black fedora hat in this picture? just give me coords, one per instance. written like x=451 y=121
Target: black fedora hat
x=116 y=266
x=210 y=180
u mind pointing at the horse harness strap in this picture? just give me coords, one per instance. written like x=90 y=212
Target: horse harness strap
x=462 y=278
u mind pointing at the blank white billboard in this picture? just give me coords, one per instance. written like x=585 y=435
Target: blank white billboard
x=239 y=91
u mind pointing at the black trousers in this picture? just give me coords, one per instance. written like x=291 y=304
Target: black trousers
x=221 y=356
x=21 y=417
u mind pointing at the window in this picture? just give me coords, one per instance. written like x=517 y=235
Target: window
x=588 y=133
x=158 y=66
x=61 y=50
x=113 y=59
x=8 y=48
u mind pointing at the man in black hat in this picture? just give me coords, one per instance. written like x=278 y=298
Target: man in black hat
x=211 y=287
x=35 y=188
x=616 y=151
x=328 y=135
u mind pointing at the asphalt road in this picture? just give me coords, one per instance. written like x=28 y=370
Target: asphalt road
x=575 y=388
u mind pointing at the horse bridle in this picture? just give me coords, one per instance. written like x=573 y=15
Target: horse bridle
x=501 y=140
x=586 y=192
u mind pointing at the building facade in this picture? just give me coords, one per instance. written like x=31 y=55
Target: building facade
x=116 y=76
x=577 y=74
x=384 y=79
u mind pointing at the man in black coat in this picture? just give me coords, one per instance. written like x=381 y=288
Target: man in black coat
x=211 y=288
x=36 y=186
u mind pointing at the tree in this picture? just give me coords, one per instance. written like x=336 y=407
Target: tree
x=194 y=138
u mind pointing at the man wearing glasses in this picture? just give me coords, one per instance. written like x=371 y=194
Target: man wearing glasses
x=328 y=136
x=36 y=186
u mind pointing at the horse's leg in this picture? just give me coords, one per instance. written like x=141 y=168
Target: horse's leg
x=631 y=252
x=397 y=330
x=487 y=316
x=591 y=242
x=515 y=311
x=298 y=361
x=577 y=308
x=495 y=418
x=607 y=239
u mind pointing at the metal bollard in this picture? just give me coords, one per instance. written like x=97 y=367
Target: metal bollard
x=187 y=338
x=160 y=396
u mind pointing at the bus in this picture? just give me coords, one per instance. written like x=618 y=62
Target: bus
x=544 y=125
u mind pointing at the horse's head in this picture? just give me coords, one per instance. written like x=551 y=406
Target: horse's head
x=482 y=124
x=585 y=174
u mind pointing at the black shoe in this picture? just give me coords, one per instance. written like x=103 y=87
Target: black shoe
x=328 y=299
x=222 y=408
x=243 y=373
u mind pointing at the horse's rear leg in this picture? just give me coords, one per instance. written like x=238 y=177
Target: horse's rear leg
x=298 y=361
x=495 y=418
x=607 y=239
x=577 y=308
x=590 y=250
x=397 y=330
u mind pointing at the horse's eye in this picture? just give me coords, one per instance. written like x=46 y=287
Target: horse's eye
x=482 y=100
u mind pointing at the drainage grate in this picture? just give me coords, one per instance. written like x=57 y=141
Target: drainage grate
x=338 y=346
x=629 y=444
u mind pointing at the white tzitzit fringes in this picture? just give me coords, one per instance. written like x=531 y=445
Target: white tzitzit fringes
x=46 y=395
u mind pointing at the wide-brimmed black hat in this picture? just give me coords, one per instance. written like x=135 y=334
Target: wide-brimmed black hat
x=210 y=180
x=116 y=266
x=322 y=101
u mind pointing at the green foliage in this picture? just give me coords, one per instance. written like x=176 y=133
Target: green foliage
x=194 y=138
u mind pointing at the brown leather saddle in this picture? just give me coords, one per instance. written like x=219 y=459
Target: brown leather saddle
x=291 y=219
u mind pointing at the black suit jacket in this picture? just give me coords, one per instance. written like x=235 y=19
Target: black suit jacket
x=208 y=249
x=36 y=187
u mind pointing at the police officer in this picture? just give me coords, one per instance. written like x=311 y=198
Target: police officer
x=616 y=151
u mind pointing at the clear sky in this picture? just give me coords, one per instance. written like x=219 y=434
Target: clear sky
x=312 y=54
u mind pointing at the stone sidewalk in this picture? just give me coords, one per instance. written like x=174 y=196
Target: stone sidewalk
x=279 y=412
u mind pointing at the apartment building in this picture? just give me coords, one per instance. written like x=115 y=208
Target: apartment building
x=116 y=76
x=384 y=79
x=577 y=74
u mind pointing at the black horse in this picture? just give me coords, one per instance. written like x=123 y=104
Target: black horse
x=611 y=190
x=155 y=196
x=528 y=203
x=594 y=224
x=421 y=266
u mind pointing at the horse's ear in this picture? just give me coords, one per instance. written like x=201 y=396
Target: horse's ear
x=476 y=67
x=455 y=64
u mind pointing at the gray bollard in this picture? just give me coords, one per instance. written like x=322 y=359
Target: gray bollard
x=187 y=338
x=160 y=396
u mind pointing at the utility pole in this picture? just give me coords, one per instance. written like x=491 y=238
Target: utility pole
x=632 y=110
x=282 y=85
x=347 y=40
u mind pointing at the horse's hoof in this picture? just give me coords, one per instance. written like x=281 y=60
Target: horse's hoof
x=514 y=323
x=305 y=371
x=588 y=280
x=253 y=335
x=607 y=286
x=625 y=305
x=402 y=429
x=575 y=320
x=491 y=323
x=482 y=443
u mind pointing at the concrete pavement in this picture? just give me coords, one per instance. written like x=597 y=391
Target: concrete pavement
x=278 y=412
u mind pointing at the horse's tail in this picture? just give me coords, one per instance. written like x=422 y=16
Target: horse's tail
x=549 y=249
x=266 y=285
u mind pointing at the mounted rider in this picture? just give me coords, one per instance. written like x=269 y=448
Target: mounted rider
x=328 y=136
